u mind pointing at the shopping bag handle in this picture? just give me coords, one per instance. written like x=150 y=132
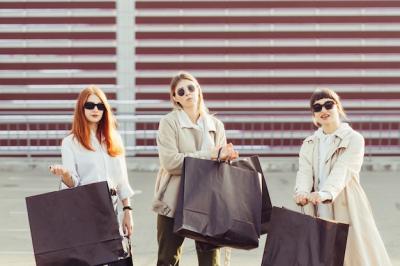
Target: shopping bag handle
x=129 y=251
x=303 y=212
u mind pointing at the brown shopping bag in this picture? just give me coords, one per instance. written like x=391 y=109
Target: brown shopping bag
x=219 y=204
x=76 y=226
x=298 y=239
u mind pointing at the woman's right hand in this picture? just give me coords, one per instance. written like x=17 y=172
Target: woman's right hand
x=301 y=198
x=61 y=171
x=228 y=153
x=58 y=170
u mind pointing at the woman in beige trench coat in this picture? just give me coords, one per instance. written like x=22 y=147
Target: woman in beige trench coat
x=188 y=130
x=328 y=177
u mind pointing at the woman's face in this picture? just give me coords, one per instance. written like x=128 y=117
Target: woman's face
x=187 y=94
x=325 y=111
x=94 y=109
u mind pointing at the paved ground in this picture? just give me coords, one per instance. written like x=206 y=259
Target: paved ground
x=382 y=189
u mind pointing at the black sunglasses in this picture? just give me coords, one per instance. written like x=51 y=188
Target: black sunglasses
x=318 y=107
x=91 y=106
x=181 y=91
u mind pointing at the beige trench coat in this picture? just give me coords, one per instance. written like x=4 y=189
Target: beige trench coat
x=177 y=138
x=350 y=204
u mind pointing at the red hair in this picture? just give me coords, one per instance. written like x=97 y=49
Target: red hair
x=106 y=129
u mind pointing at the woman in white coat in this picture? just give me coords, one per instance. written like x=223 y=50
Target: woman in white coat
x=328 y=178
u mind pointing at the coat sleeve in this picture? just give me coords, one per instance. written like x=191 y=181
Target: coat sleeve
x=171 y=159
x=347 y=165
x=220 y=134
x=304 y=177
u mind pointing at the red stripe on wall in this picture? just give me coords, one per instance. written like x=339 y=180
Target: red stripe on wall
x=58 y=20
x=266 y=19
x=56 y=81
x=58 y=5
x=277 y=80
x=268 y=50
x=267 y=35
x=245 y=96
x=262 y=4
x=60 y=51
x=38 y=66
x=58 y=35
x=265 y=65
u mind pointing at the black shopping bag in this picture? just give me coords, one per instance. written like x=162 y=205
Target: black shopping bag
x=76 y=226
x=126 y=259
x=219 y=204
x=298 y=239
x=253 y=163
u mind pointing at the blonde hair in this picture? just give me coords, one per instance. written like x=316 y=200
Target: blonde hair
x=174 y=82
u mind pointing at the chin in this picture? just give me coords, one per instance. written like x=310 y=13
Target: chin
x=324 y=123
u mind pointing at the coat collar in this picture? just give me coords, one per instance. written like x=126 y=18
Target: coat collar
x=340 y=141
x=185 y=122
x=341 y=133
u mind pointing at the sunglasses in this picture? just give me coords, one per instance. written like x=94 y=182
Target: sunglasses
x=91 y=106
x=318 y=107
x=181 y=91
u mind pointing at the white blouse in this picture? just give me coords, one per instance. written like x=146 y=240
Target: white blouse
x=88 y=167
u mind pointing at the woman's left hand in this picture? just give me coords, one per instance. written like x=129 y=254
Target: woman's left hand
x=314 y=198
x=127 y=223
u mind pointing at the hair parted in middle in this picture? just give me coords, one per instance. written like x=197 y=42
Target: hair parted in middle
x=106 y=129
x=174 y=82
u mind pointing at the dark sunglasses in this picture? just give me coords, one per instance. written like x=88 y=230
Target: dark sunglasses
x=318 y=107
x=91 y=106
x=181 y=91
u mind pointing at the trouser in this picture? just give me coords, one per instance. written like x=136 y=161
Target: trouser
x=170 y=246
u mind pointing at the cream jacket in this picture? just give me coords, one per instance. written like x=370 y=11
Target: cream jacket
x=176 y=139
x=350 y=204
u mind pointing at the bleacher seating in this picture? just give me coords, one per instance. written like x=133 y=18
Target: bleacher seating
x=257 y=61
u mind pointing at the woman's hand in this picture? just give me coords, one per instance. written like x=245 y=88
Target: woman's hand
x=58 y=170
x=228 y=153
x=315 y=198
x=61 y=171
x=301 y=198
x=127 y=223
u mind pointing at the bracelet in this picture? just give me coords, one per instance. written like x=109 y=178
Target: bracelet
x=127 y=208
x=219 y=153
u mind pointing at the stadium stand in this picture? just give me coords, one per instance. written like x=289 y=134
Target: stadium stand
x=257 y=61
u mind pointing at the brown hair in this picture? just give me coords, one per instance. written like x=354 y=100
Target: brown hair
x=106 y=127
x=323 y=93
x=174 y=82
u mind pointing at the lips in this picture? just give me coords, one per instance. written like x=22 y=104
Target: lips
x=325 y=116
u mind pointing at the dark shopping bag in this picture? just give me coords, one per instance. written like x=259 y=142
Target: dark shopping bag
x=76 y=226
x=219 y=204
x=253 y=163
x=126 y=260
x=298 y=239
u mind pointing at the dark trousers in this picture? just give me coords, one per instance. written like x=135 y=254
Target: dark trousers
x=170 y=246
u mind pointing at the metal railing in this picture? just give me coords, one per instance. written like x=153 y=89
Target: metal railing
x=30 y=135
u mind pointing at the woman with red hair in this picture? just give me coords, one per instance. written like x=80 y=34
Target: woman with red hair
x=94 y=152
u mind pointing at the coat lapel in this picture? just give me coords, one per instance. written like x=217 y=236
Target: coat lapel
x=316 y=162
x=340 y=141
